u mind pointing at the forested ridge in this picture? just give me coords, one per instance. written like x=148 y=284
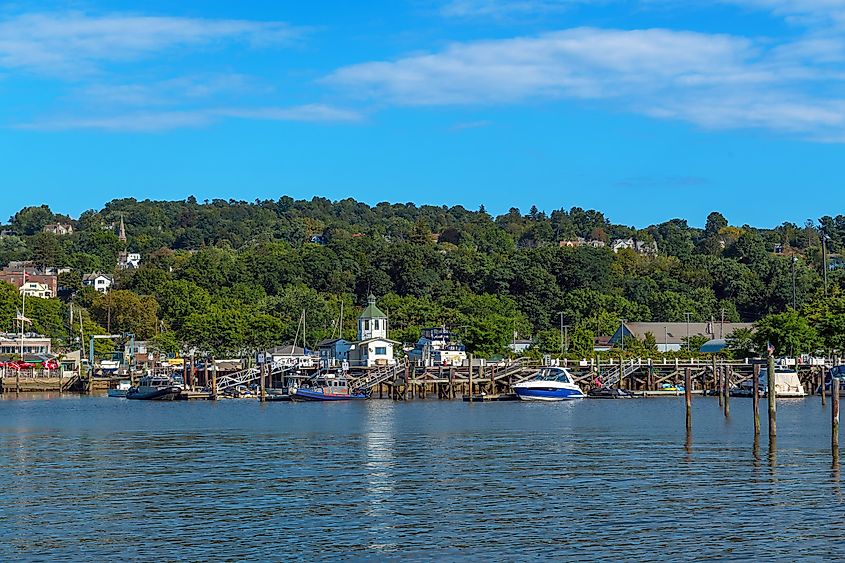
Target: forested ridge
x=231 y=276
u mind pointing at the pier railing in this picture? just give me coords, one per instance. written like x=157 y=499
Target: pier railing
x=380 y=375
x=250 y=375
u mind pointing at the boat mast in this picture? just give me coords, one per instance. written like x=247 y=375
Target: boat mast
x=23 y=311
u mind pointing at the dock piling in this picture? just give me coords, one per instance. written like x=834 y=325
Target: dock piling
x=772 y=393
x=755 y=398
x=688 y=396
x=726 y=376
x=834 y=418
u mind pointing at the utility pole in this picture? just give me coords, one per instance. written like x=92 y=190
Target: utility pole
x=566 y=338
x=722 y=325
x=688 y=315
x=824 y=259
x=561 y=332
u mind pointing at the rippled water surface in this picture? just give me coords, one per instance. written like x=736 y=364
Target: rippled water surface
x=97 y=479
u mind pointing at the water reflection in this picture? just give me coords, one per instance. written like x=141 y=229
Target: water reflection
x=411 y=481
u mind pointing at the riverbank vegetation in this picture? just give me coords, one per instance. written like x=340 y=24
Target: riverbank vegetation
x=232 y=276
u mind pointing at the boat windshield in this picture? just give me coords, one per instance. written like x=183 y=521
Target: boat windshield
x=554 y=374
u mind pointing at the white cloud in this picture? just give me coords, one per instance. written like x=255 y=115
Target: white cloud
x=506 y=8
x=712 y=80
x=67 y=44
x=155 y=121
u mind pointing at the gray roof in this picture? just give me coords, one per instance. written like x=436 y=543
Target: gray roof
x=675 y=333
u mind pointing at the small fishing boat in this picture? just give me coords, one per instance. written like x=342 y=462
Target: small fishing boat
x=549 y=384
x=326 y=387
x=120 y=391
x=155 y=388
x=787 y=384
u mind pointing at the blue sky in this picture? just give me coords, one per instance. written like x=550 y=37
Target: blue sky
x=644 y=109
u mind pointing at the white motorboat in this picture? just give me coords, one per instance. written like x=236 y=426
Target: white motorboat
x=787 y=384
x=549 y=384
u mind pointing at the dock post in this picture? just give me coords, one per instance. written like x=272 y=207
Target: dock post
x=688 y=395
x=834 y=418
x=755 y=398
x=263 y=383
x=492 y=381
x=726 y=376
x=471 y=358
x=824 y=400
x=772 y=394
x=205 y=373
x=213 y=379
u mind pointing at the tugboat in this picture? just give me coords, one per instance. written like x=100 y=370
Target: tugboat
x=549 y=384
x=326 y=388
x=155 y=388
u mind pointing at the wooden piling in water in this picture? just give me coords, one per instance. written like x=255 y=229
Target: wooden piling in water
x=688 y=396
x=755 y=398
x=262 y=376
x=772 y=394
x=822 y=387
x=834 y=418
x=214 y=379
x=471 y=357
x=726 y=376
x=717 y=381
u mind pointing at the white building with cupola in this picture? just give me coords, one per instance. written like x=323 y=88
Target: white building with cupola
x=373 y=347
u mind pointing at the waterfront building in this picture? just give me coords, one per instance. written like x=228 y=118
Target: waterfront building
x=671 y=337
x=373 y=347
x=294 y=356
x=438 y=347
x=333 y=352
x=33 y=344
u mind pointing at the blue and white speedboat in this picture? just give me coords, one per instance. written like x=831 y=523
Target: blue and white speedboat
x=549 y=384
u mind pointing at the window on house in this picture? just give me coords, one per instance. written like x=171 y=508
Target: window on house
x=381 y=350
x=366 y=325
x=375 y=325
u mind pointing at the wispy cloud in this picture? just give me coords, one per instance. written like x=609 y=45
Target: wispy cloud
x=156 y=121
x=719 y=81
x=506 y=8
x=73 y=43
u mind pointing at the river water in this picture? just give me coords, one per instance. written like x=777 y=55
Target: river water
x=99 y=479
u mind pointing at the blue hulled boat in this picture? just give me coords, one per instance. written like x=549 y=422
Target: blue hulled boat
x=549 y=384
x=326 y=388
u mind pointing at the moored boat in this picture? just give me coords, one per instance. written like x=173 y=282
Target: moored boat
x=787 y=384
x=155 y=388
x=549 y=384
x=326 y=388
x=609 y=393
x=120 y=391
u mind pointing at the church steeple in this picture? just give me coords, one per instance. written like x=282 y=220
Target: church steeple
x=373 y=322
x=122 y=233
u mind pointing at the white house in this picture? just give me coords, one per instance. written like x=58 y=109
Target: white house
x=36 y=289
x=128 y=260
x=100 y=282
x=373 y=348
